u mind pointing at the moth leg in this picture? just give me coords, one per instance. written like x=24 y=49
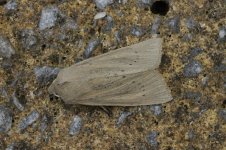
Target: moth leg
x=107 y=110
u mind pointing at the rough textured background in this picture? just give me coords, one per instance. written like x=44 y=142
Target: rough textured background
x=39 y=37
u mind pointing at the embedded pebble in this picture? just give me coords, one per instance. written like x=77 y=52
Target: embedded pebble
x=144 y=3
x=28 y=39
x=17 y=102
x=5 y=119
x=193 y=95
x=137 y=31
x=49 y=17
x=44 y=123
x=45 y=75
x=192 y=25
x=122 y=1
x=100 y=15
x=70 y=24
x=11 y=146
x=75 y=126
x=92 y=45
x=192 y=69
x=156 y=109
x=123 y=116
x=187 y=37
x=7 y=64
x=191 y=134
x=222 y=34
x=6 y=48
x=30 y=119
x=152 y=138
x=101 y=4
x=220 y=68
x=11 y=6
x=155 y=25
x=222 y=114
x=109 y=25
x=4 y=93
x=194 y=52
x=118 y=36
x=205 y=81
x=174 y=24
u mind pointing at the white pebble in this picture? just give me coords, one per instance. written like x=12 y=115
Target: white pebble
x=100 y=15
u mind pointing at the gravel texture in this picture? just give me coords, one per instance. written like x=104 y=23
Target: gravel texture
x=6 y=48
x=38 y=38
x=5 y=119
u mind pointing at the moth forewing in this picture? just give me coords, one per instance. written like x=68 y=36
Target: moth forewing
x=143 y=88
x=122 y=77
x=131 y=59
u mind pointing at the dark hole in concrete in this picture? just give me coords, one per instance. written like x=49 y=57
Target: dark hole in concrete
x=160 y=7
x=3 y=2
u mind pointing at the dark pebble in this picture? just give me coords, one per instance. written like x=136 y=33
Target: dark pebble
x=187 y=37
x=152 y=138
x=44 y=123
x=28 y=39
x=46 y=75
x=101 y=4
x=119 y=36
x=174 y=24
x=6 y=48
x=156 y=109
x=50 y=16
x=144 y=3
x=123 y=116
x=92 y=45
x=193 y=96
x=192 y=25
x=220 y=68
x=205 y=81
x=194 y=52
x=222 y=34
x=11 y=6
x=109 y=25
x=5 y=119
x=17 y=102
x=155 y=26
x=75 y=126
x=137 y=31
x=192 y=69
x=30 y=119
x=4 y=93
x=222 y=114
x=7 y=64
x=70 y=24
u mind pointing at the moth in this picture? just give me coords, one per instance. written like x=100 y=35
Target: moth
x=126 y=76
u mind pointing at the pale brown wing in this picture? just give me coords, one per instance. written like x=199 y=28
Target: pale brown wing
x=139 y=57
x=123 y=77
x=143 y=88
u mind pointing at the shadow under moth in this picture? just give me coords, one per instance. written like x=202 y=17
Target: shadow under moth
x=126 y=76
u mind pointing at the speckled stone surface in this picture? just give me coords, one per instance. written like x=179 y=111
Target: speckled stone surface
x=57 y=33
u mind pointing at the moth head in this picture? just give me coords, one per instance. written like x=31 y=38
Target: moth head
x=52 y=89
